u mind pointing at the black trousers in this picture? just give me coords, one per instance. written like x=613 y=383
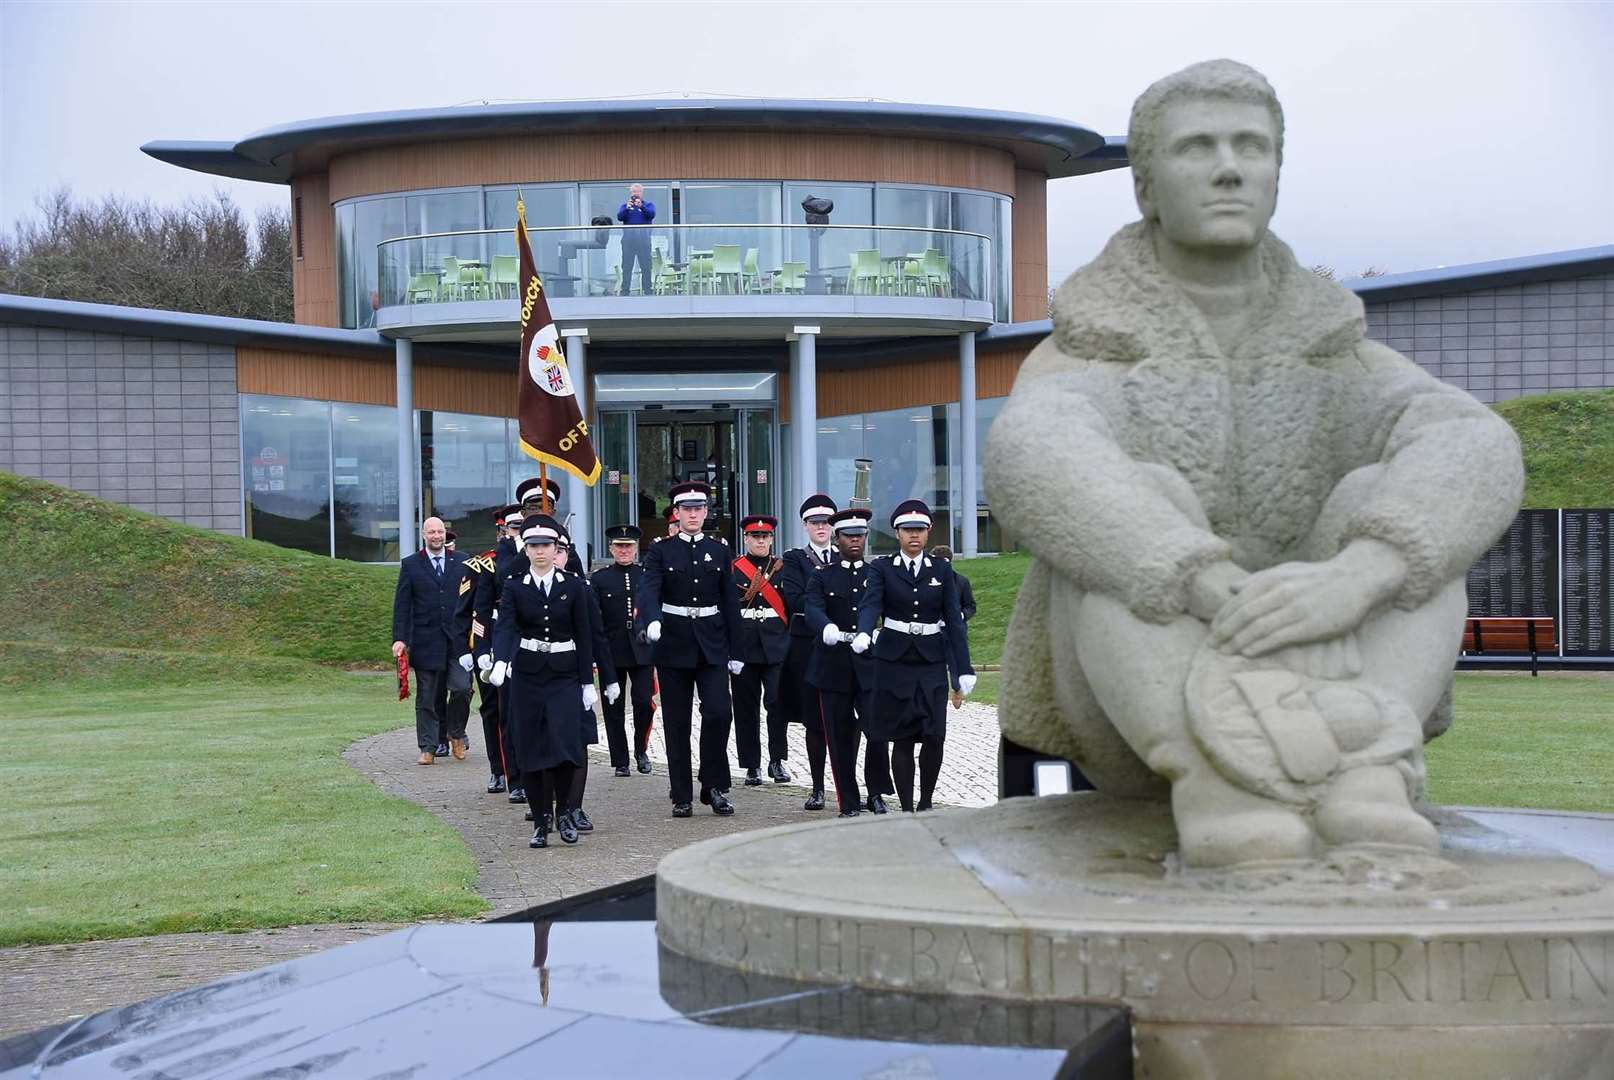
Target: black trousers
x=457 y=714
x=636 y=250
x=431 y=708
x=755 y=689
x=798 y=703
x=678 y=689
x=638 y=683
x=492 y=733
x=844 y=722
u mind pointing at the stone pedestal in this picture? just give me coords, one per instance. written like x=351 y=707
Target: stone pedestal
x=1494 y=960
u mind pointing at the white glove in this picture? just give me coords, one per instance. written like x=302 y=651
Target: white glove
x=652 y=632
x=465 y=662
x=484 y=663
x=736 y=666
x=499 y=670
x=832 y=634
x=966 y=683
x=860 y=644
x=591 y=696
x=613 y=692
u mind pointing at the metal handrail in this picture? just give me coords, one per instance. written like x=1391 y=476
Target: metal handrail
x=686 y=225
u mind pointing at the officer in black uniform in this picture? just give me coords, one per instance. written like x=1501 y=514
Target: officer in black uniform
x=615 y=587
x=508 y=558
x=913 y=598
x=474 y=627
x=843 y=679
x=797 y=701
x=589 y=721
x=692 y=618
x=764 y=643
x=543 y=644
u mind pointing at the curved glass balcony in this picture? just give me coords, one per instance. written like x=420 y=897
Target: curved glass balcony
x=637 y=268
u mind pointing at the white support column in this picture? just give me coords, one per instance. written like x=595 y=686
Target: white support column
x=969 y=540
x=794 y=494
x=578 y=502
x=804 y=411
x=408 y=501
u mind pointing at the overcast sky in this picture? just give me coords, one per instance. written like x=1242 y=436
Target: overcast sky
x=1419 y=135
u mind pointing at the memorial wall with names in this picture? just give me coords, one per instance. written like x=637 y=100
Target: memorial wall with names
x=1557 y=563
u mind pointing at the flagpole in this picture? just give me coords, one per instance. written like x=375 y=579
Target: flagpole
x=543 y=487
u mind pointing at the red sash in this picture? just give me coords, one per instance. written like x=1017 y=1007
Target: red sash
x=744 y=565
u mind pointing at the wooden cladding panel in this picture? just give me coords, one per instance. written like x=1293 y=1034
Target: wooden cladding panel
x=923 y=380
x=1030 y=246
x=366 y=381
x=680 y=155
x=313 y=277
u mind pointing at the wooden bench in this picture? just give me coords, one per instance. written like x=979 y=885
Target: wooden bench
x=1495 y=634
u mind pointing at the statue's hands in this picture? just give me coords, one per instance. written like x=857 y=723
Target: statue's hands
x=1299 y=602
x=1212 y=588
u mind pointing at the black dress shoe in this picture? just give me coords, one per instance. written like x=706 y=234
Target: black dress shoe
x=581 y=820
x=495 y=784
x=853 y=812
x=518 y=794
x=527 y=816
x=876 y=805
x=643 y=761
x=682 y=809
x=753 y=778
x=623 y=770
x=923 y=806
x=777 y=773
x=540 y=838
x=567 y=828
x=815 y=801
x=721 y=805
x=442 y=749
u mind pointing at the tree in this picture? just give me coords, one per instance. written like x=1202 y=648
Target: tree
x=202 y=256
x=1326 y=272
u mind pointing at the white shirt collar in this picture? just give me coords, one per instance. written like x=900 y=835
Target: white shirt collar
x=858 y=565
x=690 y=538
x=440 y=553
x=546 y=581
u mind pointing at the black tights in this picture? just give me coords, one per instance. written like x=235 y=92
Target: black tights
x=549 y=792
x=930 y=760
x=574 y=797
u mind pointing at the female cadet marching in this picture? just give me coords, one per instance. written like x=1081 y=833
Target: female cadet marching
x=921 y=637
x=543 y=644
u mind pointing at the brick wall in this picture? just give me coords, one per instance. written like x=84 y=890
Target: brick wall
x=151 y=423
x=1508 y=342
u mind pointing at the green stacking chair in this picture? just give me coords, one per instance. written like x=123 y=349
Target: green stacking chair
x=750 y=276
x=453 y=288
x=506 y=275
x=791 y=278
x=726 y=268
x=865 y=274
x=422 y=288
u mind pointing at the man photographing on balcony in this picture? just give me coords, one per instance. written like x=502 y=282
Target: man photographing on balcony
x=636 y=242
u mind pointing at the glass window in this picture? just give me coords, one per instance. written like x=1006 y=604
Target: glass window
x=909 y=451
x=854 y=205
x=622 y=501
x=840 y=444
x=374 y=220
x=975 y=214
x=285 y=449
x=436 y=212
x=364 y=475
x=464 y=466
x=713 y=206
x=916 y=208
x=548 y=206
x=1003 y=252
x=601 y=267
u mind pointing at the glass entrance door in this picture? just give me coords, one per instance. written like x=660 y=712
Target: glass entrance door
x=679 y=445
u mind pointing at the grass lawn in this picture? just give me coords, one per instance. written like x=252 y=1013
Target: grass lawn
x=219 y=801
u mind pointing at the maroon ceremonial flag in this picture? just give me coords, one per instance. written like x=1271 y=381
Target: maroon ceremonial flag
x=552 y=426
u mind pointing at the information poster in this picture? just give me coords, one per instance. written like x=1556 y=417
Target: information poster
x=1588 y=583
x=1518 y=576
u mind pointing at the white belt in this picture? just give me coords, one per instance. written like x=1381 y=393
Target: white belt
x=918 y=629
x=847 y=636
x=758 y=613
x=688 y=612
x=532 y=644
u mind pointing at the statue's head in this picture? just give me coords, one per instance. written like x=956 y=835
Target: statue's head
x=1205 y=145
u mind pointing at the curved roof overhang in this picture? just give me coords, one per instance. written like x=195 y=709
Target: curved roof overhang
x=1056 y=147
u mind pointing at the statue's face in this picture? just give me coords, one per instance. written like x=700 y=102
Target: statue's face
x=1214 y=179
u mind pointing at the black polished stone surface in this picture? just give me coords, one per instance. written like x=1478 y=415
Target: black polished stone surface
x=556 y=998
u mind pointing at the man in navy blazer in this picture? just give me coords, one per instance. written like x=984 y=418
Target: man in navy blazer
x=423 y=622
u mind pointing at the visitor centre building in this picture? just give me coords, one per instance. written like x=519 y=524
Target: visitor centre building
x=752 y=334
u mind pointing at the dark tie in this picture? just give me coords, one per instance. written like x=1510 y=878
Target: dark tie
x=437 y=566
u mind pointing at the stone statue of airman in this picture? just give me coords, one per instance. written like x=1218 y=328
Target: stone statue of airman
x=1250 y=524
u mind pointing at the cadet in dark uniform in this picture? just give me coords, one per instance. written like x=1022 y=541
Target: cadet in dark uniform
x=692 y=618
x=922 y=637
x=798 y=702
x=588 y=720
x=844 y=680
x=616 y=587
x=529 y=496
x=544 y=644
x=474 y=628
x=508 y=558
x=764 y=642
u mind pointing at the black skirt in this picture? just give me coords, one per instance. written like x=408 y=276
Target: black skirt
x=544 y=720
x=910 y=701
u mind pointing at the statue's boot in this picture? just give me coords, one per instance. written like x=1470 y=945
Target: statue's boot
x=1220 y=825
x=1370 y=805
